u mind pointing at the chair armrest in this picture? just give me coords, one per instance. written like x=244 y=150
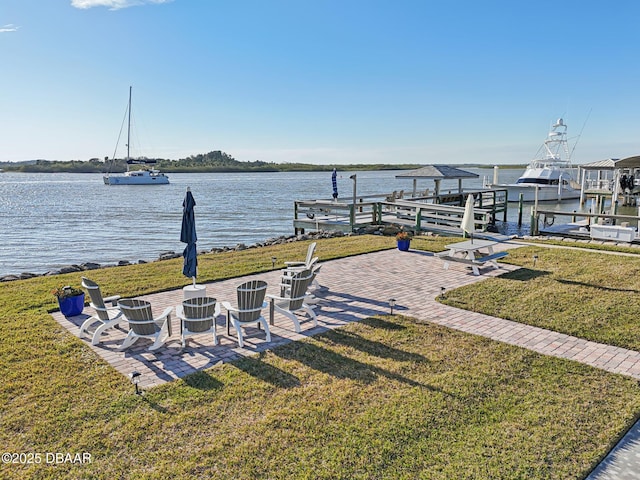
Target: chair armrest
x=166 y=313
x=105 y=308
x=180 y=312
x=229 y=307
x=275 y=297
x=294 y=263
x=113 y=299
x=165 y=318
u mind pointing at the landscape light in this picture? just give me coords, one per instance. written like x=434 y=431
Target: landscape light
x=135 y=379
x=392 y=303
x=535 y=259
x=442 y=290
x=273 y=261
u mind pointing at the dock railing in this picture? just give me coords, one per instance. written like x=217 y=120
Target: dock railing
x=415 y=213
x=328 y=214
x=548 y=217
x=430 y=216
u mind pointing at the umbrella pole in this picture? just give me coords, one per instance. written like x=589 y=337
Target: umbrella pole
x=194 y=281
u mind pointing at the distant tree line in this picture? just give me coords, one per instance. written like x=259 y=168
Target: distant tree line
x=215 y=161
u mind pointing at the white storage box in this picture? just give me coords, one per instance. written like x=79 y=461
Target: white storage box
x=613 y=232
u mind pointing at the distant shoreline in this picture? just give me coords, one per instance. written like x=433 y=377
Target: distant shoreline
x=87 y=167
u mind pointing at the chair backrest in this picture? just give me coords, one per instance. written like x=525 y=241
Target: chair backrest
x=96 y=298
x=314 y=273
x=199 y=313
x=250 y=299
x=299 y=285
x=310 y=251
x=139 y=314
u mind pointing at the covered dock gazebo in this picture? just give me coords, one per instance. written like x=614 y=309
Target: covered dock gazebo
x=607 y=177
x=438 y=173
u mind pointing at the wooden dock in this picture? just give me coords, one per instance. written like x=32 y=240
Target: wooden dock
x=438 y=213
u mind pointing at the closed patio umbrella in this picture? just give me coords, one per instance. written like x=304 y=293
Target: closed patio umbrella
x=188 y=236
x=334 y=181
x=468 y=219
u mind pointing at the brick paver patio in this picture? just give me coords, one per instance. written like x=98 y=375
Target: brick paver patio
x=355 y=288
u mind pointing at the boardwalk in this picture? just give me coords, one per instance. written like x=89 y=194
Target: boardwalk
x=356 y=288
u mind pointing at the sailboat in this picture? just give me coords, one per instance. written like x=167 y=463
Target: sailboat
x=144 y=176
x=549 y=177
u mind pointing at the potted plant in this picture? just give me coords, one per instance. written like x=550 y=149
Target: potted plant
x=70 y=300
x=403 y=240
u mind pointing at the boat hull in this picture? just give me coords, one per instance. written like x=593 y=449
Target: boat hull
x=160 y=179
x=546 y=193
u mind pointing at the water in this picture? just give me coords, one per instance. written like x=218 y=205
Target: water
x=53 y=220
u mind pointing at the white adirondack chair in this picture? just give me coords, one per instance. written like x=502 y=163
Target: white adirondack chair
x=249 y=308
x=198 y=316
x=143 y=325
x=293 y=299
x=106 y=316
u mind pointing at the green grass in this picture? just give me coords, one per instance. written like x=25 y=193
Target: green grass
x=588 y=294
x=388 y=397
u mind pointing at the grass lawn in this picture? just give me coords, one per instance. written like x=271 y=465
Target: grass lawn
x=589 y=294
x=388 y=397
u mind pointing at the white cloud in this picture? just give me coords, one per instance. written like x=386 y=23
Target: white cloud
x=10 y=27
x=112 y=4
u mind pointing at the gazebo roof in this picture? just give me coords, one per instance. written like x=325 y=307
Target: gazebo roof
x=629 y=162
x=613 y=163
x=609 y=163
x=438 y=172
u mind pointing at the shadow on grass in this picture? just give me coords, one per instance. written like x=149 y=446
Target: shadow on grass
x=377 y=349
x=202 y=381
x=154 y=405
x=599 y=287
x=524 y=274
x=377 y=322
x=268 y=373
x=340 y=366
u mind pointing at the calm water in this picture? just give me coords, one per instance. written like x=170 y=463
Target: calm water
x=52 y=220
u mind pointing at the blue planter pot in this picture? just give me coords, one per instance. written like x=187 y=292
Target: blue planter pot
x=72 y=306
x=403 y=245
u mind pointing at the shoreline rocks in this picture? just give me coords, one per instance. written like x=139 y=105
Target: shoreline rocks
x=168 y=255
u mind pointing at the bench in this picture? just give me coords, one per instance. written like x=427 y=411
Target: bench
x=447 y=258
x=489 y=258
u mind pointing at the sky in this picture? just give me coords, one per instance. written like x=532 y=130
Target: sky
x=319 y=81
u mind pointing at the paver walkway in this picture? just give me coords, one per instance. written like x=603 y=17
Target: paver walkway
x=356 y=288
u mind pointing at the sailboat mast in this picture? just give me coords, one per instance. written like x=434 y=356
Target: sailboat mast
x=129 y=124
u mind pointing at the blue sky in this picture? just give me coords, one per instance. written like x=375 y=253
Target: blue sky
x=319 y=81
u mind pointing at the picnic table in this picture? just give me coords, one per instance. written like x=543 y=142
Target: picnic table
x=473 y=253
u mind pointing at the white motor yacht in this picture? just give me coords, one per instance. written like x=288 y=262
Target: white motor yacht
x=549 y=177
